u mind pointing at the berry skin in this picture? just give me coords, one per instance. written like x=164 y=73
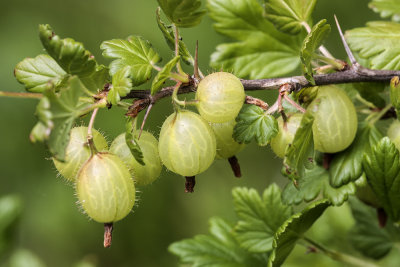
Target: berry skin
x=78 y=152
x=394 y=133
x=220 y=97
x=187 y=143
x=226 y=146
x=335 y=123
x=105 y=188
x=286 y=134
x=142 y=174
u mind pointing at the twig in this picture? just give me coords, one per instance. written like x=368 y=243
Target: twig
x=255 y=101
x=296 y=83
x=21 y=95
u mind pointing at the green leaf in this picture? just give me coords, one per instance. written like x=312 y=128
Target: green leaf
x=293 y=229
x=289 y=15
x=96 y=81
x=386 y=8
x=367 y=236
x=312 y=184
x=311 y=43
x=69 y=54
x=10 y=212
x=170 y=39
x=218 y=249
x=395 y=94
x=183 y=13
x=135 y=52
x=259 y=218
x=370 y=91
x=163 y=75
x=41 y=131
x=262 y=51
x=132 y=141
x=254 y=123
x=379 y=42
x=300 y=153
x=35 y=73
x=121 y=85
x=64 y=108
x=346 y=166
x=382 y=168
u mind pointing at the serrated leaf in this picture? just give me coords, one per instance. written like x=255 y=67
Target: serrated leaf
x=35 y=73
x=10 y=212
x=121 y=85
x=311 y=43
x=367 y=236
x=64 y=108
x=315 y=182
x=41 y=131
x=170 y=39
x=289 y=15
x=395 y=94
x=379 y=42
x=386 y=8
x=69 y=54
x=382 y=169
x=183 y=13
x=262 y=51
x=299 y=154
x=96 y=81
x=346 y=166
x=220 y=248
x=132 y=141
x=259 y=218
x=293 y=229
x=254 y=124
x=163 y=75
x=135 y=52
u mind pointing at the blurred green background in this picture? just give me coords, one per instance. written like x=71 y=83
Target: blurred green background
x=51 y=225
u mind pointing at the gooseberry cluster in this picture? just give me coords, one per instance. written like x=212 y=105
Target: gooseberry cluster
x=105 y=178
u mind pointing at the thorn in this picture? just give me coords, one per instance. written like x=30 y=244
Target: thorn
x=196 y=61
x=233 y=161
x=346 y=46
x=144 y=119
x=189 y=184
x=108 y=228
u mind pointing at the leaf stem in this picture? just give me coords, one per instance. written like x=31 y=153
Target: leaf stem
x=338 y=256
x=337 y=64
x=294 y=104
x=21 y=95
x=377 y=116
x=178 y=64
x=92 y=146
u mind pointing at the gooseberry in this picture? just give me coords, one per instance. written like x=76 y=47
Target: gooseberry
x=220 y=97
x=78 y=151
x=187 y=143
x=335 y=123
x=226 y=145
x=142 y=174
x=105 y=188
x=286 y=133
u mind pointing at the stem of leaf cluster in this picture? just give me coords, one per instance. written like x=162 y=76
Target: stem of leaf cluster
x=90 y=133
x=21 y=95
x=377 y=116
x=178 y=64
x=338 y=256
